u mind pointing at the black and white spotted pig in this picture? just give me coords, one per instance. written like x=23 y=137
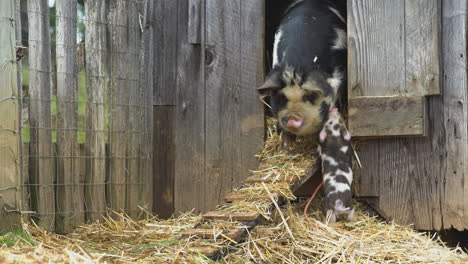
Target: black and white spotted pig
x=335 y=150
x=309 y=65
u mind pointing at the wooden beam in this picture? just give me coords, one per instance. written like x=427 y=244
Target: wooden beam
x=136 y=181
x=222 y=107
x=226 y=215
x=147 y=90
x=252 y=59
x=236 y=196
x=214 y=233
x=423 y=46
x=95 y=176
x=210 y=252
x=166 y=23
x=387 y=116
x=70 y=198
x=118 y=104
x=189 y=185
x=40 y=114
x=194 y=22
x=455 y=115
x=10 y=179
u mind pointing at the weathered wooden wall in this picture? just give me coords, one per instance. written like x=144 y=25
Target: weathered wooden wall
x=65 y=181
x=395 y=49
x=208 y=61
x=10 y=184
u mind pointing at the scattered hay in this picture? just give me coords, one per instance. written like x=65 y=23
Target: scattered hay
x=253 y=190
x=367 y=240
x=286 y=239
x=285 y=164
x=262 y=207
x=120 y=240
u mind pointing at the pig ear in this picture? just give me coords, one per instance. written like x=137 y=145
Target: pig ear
x=347 y=136
x=322 y=135
x=272 y=82
x=311 y=87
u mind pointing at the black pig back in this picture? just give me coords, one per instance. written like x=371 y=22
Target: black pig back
x=308 y=33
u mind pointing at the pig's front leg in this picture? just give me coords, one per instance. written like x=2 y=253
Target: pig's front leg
x=287 y=139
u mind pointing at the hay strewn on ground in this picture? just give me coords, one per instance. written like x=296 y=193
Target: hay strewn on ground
x=367 y=240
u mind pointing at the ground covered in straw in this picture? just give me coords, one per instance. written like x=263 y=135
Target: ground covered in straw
x=367 y=240
x=286 y=239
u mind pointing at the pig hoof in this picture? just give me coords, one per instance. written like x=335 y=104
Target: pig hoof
x=350 y=216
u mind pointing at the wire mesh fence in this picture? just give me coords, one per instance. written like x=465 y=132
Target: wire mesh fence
x=85 y=111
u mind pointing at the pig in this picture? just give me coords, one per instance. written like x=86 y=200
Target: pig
x=309 y=65
x=335 y=151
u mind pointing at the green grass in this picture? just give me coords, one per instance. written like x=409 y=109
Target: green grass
x=19 y=237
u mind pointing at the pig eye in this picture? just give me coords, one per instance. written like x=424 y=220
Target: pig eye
x=310 y=97
x=279 y=100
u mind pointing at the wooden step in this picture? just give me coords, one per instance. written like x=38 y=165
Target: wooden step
x=256 y=179
x=225 y=215
x=210 y=233
x=236 y=196
x=234 y=235
x=210 y=252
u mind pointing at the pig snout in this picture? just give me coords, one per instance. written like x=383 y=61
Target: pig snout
x=292 y=121
x=334 y=114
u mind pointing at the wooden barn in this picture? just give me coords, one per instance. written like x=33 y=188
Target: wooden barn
x=407 y=89
x=182 y=131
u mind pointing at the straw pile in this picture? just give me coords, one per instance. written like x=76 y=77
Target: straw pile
x=290 y=239
x=367 y=240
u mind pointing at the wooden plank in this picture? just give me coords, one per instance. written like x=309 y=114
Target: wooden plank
x=70 y=200
x=189 y=181
x=118 y=105
x=455 y=192
x=95 y=176
x=395 y=186
x=222 y=108
x=194 y=22
x=422 y=41
x=163 y=166
x=252 y=26
x=207 y=251
x=23 y=147
x=135 y=179
x=147 y=90
x=313 y=172
x=307 y=185
x=226 y=215
x=376 y=67
x=236 y=196
x=213 y=233
x=40 y=115
x=366 y=179
x=434 y=168
x=376 y=57
x=10 y=181
x=166 y=51
x=421 y=180
x=256 y=179
x=380 y=64
x=389 y=116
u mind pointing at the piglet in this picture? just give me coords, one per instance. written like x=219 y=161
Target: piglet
x=335 y=151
